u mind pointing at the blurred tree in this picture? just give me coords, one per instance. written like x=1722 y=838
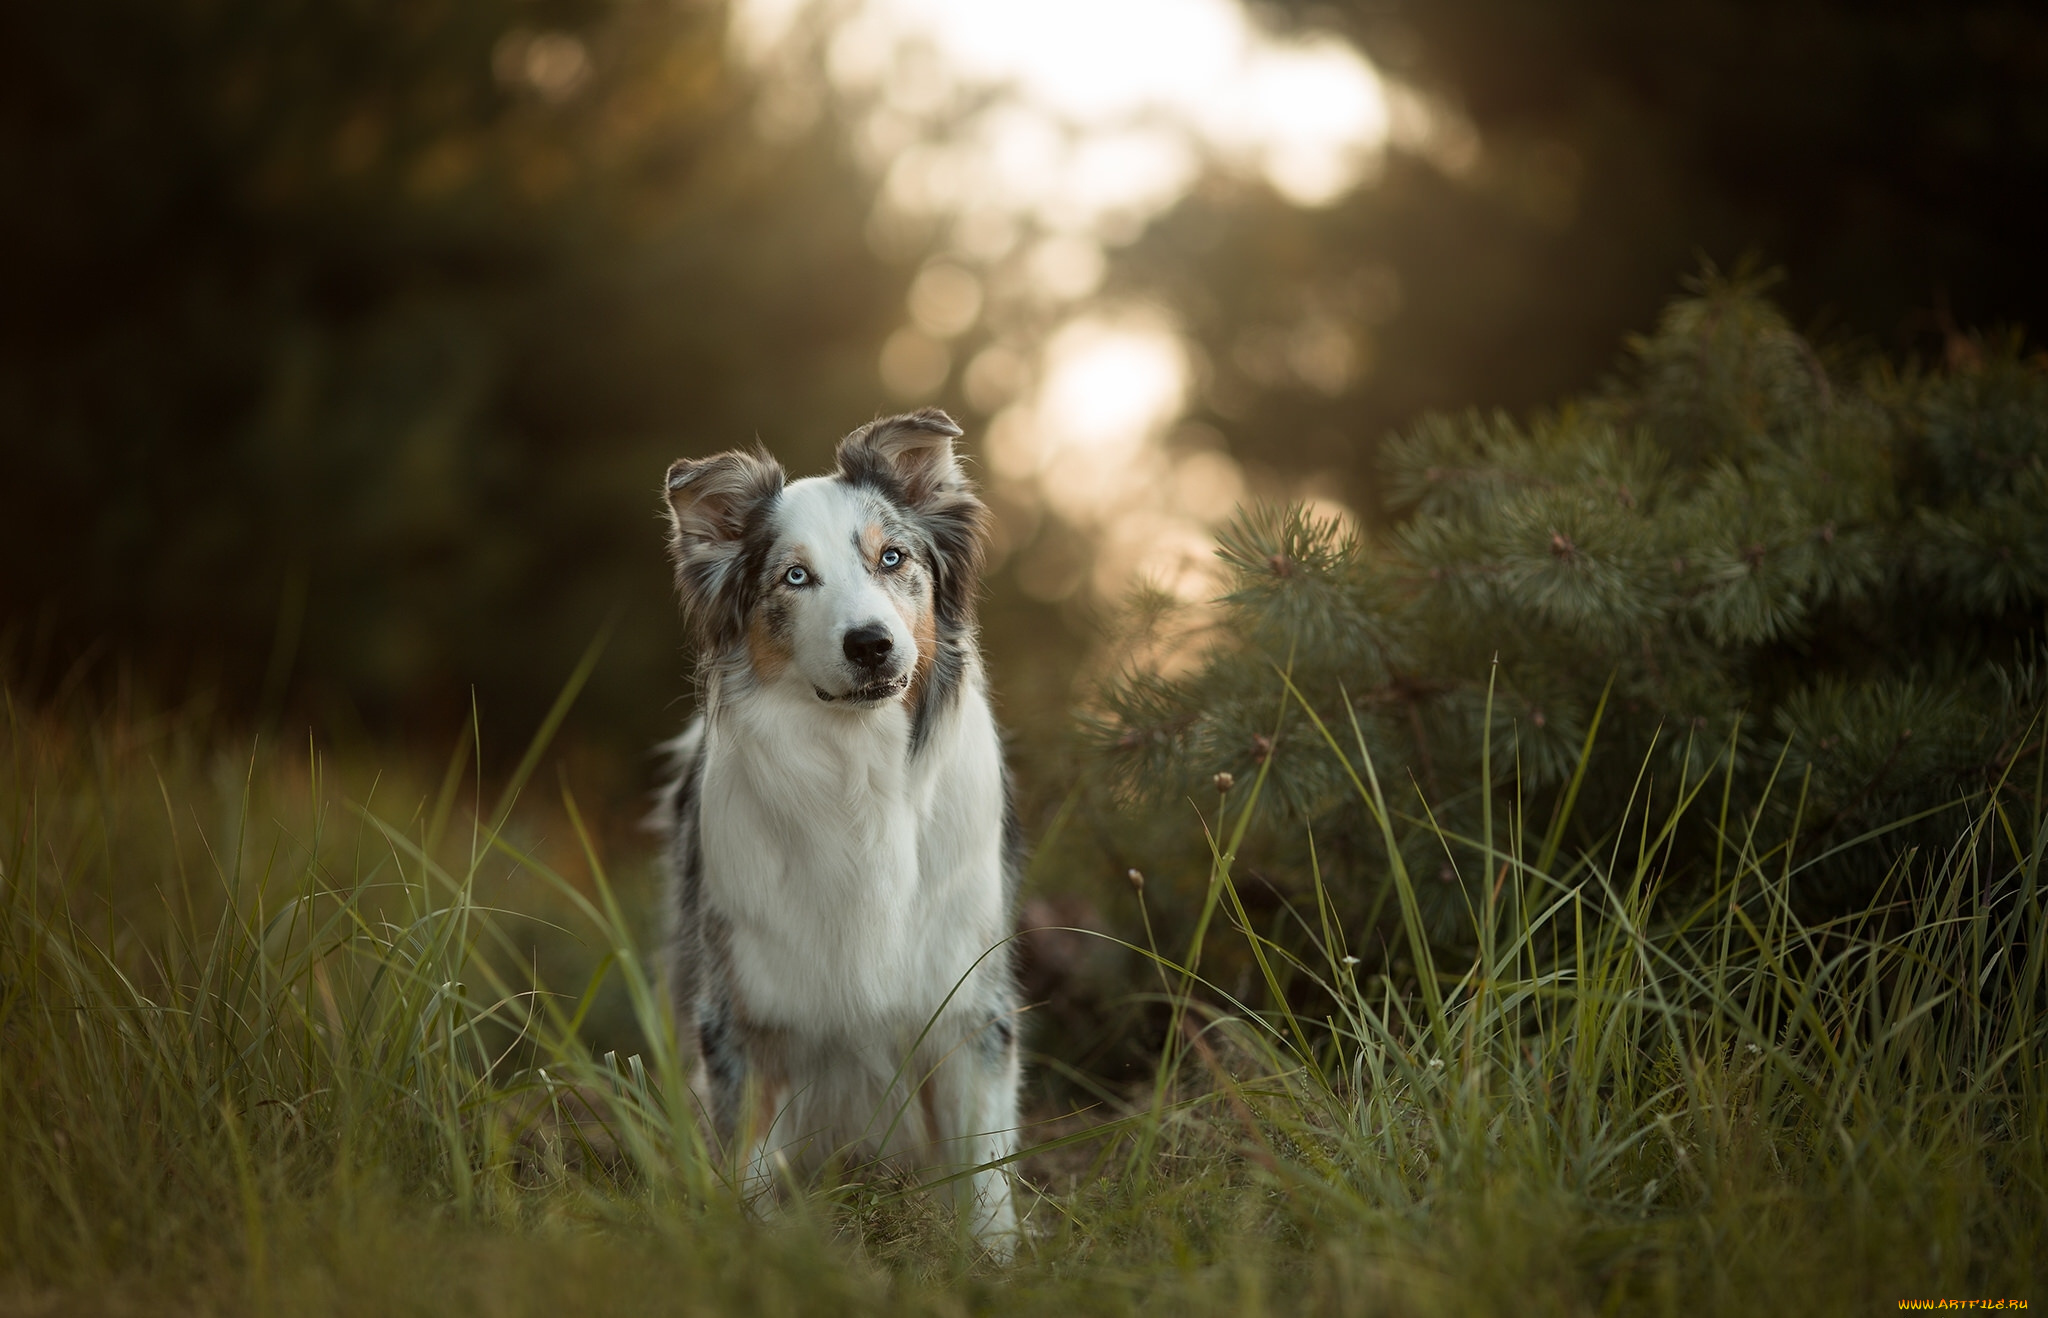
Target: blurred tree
x=337 y=337
x=1837 y=576
x=343 y=344
x=1893 y=156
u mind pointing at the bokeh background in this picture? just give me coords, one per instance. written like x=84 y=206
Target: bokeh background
x=343 y=342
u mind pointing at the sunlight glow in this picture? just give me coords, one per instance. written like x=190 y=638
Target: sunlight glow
x=1077 y=113
x=1017 y=143
x=1086 y=435
x=1109 y=386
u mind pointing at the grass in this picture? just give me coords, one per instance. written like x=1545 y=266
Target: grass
x=278 y=1036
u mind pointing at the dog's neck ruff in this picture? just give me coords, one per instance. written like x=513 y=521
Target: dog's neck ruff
x=861 y=873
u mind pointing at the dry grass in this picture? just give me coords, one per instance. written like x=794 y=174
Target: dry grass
x=282 y=1036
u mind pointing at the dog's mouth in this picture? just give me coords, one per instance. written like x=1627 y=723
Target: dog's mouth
x=873 y=693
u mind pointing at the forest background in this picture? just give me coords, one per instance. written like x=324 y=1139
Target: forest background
x=342 y=342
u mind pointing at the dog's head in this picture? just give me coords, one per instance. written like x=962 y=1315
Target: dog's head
x=845 y=586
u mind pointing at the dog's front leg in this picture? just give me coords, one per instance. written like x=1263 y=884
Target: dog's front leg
x=751 y=1100
x=975 y=1110
x=769 y=1153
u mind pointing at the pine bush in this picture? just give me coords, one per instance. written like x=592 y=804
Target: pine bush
x=1817 y=576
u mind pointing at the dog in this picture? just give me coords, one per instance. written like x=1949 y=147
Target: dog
x=843 y=849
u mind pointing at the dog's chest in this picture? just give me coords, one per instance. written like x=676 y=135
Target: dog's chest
x=858 y=885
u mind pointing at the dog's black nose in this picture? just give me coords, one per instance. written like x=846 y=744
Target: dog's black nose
x=868 y=646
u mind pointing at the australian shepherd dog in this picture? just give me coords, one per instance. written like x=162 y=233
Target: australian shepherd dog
x=843 y=853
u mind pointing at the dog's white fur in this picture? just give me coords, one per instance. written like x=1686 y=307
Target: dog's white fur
x=842 y=858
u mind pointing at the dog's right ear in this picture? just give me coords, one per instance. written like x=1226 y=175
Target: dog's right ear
x=711 y=502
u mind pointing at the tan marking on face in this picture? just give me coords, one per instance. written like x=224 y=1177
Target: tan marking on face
x=873 y=540
x=923 y=622
x=767 y=654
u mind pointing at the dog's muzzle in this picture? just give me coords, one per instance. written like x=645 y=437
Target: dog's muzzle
x=873 y=693
x=870 y=650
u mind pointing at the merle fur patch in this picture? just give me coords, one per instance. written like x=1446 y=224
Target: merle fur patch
x=909 y=461
x=721 y=531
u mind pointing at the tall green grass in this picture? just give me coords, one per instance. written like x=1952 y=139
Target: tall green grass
x=1654 y=1094
x=277 y=1044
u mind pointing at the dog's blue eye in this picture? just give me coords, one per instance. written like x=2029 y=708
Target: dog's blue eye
x=796 y=576
x=891 y=557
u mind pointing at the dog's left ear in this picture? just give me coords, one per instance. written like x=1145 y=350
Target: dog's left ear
x=910 y=458
x=911 y=455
